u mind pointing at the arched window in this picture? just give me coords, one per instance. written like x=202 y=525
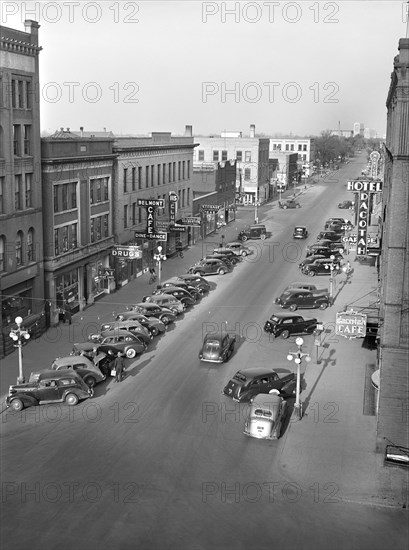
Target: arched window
x=2 y=253
x=19 y=248
x=30 y=245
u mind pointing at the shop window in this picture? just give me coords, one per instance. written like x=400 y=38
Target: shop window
x=16 y=306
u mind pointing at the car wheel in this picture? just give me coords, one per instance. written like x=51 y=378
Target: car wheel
x=221 y=271
x=17 y=405
x=244 y=238
x=285 y=207
x=154 y=331
x=323 y=306
x=285 y=334
x=262 y=236
x=244 y=253
x=165 y=320
x=311 y=273
x=71 y=399
x=130 y=353
x=292 y=307
x=90 y=381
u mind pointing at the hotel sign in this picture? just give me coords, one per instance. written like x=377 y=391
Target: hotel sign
x=364 y=188
x=350 y=324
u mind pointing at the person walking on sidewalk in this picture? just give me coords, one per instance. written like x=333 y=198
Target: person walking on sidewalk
x=67 y=314
x=119 y=367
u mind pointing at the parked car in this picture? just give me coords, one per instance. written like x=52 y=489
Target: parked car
x=65 y=386
x=266 y=416
x=228 y=253
x=339 y=221
x=217 y=348
x=335 y=247
x=238 y=248
x=319 y=267
x=150 y=309
x=286 y=325
x=326 y=250
x=311 y=259
x=248 y=383
x=223 y=258
x=166 y=300
x=210 y=267
x=132 y=326
x=332 y=236
x=255 y=231
x=152 y=324
x=289 y=203
x=111 y=341
x=300 y=232
x=346 y=204
x=89 y=371
x=175 y=282
x=306 y=286
x=298 y=298
x=197 y=281
x=180 y=294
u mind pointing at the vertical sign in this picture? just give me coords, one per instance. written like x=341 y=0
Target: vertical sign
x=151 y=205
x=173 y=199
x=363 y=206
x=374 y=158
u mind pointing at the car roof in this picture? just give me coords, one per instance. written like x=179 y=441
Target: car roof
x=72 y=360
x=300 y=227
x=266 y=399
x=107 y=333
x=218 y=336
x=285 y=315
x=45 y=374
x=252 y=372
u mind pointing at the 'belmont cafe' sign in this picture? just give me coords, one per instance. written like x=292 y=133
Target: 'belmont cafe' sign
x=350 y=324
x=363 y=188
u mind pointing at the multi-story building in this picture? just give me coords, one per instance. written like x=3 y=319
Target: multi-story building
x=359 y=129
x=78 y=226
x=251 y=154
x=150 y=168
x=21 y=232
x=303 y=148
x=284 y=169
x=392 y=421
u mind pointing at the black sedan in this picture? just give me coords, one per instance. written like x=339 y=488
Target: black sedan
x=346 y=204
x=285 y=325
x=217 y=348
x=299 y=298
x=300 y=232
x=153 y=310
x=197 y=281
x=320 y=267
x=247 y=383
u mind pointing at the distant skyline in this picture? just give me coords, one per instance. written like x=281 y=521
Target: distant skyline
x=287 y=67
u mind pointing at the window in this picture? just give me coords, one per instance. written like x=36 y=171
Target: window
x=65 y=238
x=134 y=213
x=20 y=103
x=200 y=154
x=292 y=147
x=139 y=215
x=248 y=156
x=215 y=156
x=299 y=147
x=152 y=174
x=14 y=93
x=188 y=169
x=179 y=170
x=287 y=147
x=17 y=192
x=27 y=190
x=274 y=146
x=28 y=94
x=146 y=176
x=16 y=140
x=188 y=196
x=179 y=196
x=125 y=179
x=163 y=173
x=19 y=249
x=304 y=147
x=133 y=178
x=30 y=245
x=2 y=253
x=183 y=197
x=224 y=156
x=159 y=172
x=2 y=195
x=125 y=216
x=184 y=170
x=139 y=177
x=65 y=196
x=174 y=172
x=239 y=156
x=247 y=174
x=170 y=171
x=27 y=138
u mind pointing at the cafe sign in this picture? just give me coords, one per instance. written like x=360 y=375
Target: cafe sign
x=350 y=324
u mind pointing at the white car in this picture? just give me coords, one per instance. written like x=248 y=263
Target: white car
x=266 y=417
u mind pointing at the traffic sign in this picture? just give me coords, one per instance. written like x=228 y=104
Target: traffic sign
x=155 y=236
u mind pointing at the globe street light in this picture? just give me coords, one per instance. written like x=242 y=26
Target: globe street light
x=159 y=257
x=298 y=356
x=333 y=266
x=19 y=335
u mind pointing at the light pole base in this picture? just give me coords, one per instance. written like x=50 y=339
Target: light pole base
x=298 y=411
x=20 y=380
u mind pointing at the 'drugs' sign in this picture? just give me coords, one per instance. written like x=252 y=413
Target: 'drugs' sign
x=350 y=324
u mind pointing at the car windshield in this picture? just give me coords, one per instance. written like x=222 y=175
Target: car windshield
x=240 y=377
x=263 y=412
x=286 y=294
x=212 y=345
x=274 y=319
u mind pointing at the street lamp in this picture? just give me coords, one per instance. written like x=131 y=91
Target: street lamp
x=19 y=335
x=295 y=183
x=298 y=356
x=333 y=266
x=159 y=257
x=256 y=205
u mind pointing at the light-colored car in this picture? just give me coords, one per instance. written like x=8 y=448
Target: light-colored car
x=166 y=300
x=152 y=324
x=130 y=325
x=88 y=371
x=238 y=248
x=266 y=416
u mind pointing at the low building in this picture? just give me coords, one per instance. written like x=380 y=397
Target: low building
x=301 y=146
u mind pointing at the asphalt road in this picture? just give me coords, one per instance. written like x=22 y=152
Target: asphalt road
x=160 y=461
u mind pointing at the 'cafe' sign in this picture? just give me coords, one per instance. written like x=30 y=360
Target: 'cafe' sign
x=351 y=324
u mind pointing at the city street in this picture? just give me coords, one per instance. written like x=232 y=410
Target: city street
x=160 y=461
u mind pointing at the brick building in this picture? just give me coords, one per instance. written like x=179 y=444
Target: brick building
x=21 y=214
x=392 y=422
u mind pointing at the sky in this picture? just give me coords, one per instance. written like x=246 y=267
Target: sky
x=290 y=68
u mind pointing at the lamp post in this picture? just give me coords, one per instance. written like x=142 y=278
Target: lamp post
x=256 y=204
x=19 y=335
x=295 y=184
x=298 y=357
x=159 y=257
x=333 y=266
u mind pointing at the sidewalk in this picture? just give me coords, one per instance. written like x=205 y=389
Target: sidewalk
x=332 y=448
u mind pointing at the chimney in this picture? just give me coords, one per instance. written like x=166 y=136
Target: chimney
x=188 y=131
x=82 y=131
x=252 y=130
x=68 y=129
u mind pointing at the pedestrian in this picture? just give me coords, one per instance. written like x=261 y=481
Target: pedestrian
x=119 y=367
x=67 y=314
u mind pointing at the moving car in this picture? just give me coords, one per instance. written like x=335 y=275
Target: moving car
x=319 y=267
x=165 y=300
x=346 y=204
x=300 y=232
x=238 y=248
x=286 y=325
x=153 y=325
x=112 y=341
x=65 y=386
x=248 y=383
x=299 y=298
x=255 y=231
x=217 y=348
x=289 y=203
x=266 y=416
x=149 y=309
x=89 y=372
x=210 y=267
